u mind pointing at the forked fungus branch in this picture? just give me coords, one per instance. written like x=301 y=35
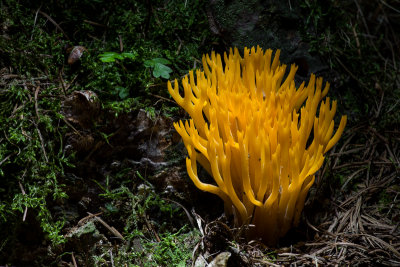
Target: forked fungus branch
x=251 y=130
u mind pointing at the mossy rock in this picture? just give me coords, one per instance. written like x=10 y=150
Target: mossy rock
x=269 y=24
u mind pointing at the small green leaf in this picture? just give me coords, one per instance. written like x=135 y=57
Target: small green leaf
x=112 y=56
x=161 y=70
x=122 y=92
x=107 y=59
x=108 y=56
x=161 y=61
x=148 y=63
x=129 y=55
x=154 y=61
x=111 y=208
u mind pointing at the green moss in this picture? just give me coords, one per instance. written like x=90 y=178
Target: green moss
x=35 y=76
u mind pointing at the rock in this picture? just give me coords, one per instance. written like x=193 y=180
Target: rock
x=220 y=260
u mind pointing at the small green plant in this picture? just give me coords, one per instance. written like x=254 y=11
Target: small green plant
x=173 y=250
x=32 y=160
x=109 y=57
x=159 y=67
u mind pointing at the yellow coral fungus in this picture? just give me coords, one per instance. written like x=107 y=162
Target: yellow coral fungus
x=251 y=132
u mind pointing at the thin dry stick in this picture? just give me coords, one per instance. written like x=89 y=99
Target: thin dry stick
x=73 y=80
x=121 y=44
x=37 y=128
x=357 y=40
x=266 y=263
x=350 y=73
x=34 y=21
x=184 y=209
x=7 y=157
x=85 y=219
x=384 y=244
x=72 y=127
x=73 y=260
x=94 y=23
x=150 y=227
x=110 y=228
x=379 y=106
x=36 y=102
x=163 y=98
x=111 y=258
x=54 y=23
x=62 y=81
x=343 y=147
x=41 y=142
x=23 y=193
